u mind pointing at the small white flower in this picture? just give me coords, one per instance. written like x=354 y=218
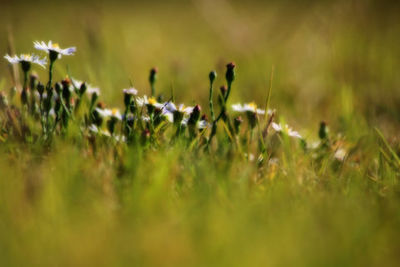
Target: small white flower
x=130 y=91
x=142 y=101
x=93 y=128
x=171 y=107
x=167 y=115
x=93 y=90
x=203 y=124
x=90 y=89
x=114 y=113
x=27 y=58
x=249 y=107
x=285 y=129
x=50 y=47
x=340 y=154
x=120 y=138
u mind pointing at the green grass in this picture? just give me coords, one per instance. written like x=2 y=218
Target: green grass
x=66 y=204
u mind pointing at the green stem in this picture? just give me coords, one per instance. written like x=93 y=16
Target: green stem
x=50 y=74
x=210 y=100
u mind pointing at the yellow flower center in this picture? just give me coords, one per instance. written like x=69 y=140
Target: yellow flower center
x=114 y=111
x=152 y=101
x=253 y=106
x=26 y=57
x=56 y=45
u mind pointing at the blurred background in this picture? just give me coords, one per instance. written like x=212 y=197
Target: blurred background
x=333 y=60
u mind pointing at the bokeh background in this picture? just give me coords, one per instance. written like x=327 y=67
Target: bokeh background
x=337 y=61
x=331 y=59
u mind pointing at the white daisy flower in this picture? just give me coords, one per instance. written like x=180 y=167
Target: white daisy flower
x=93 y=128
x=201 y=124
x=285 y=129
x=55 y=48
x=27 y=58
x=167 y=115
x=114 y=113
x=142 y=101
x=171 y=107
x=93 y=90
x=249 y=107
x=130 y=91
x=90 y=89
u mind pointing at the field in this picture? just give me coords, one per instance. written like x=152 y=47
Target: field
x=145 y=187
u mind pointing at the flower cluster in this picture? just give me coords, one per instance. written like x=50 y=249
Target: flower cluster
x=144 y=120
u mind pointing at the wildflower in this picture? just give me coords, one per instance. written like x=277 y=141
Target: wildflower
x=212 y=76
x=179 y=112
x=181 y=108
x=340 y=154
x=144 y=101
x=200 y=124
x=109 y=113
x=152 y=79
x=250 y=107
x=128 y=93
x=93 y=91
x=114 y=116
x=26 y=61
x=323 y=131
x=236 y=123
x=54 y=50
x=285 y=129
x=230 y=72
x=194 y=115
x=251 y=110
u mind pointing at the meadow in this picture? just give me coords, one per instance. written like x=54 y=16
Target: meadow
x=98 y=175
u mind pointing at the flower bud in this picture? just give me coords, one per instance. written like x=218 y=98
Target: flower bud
x=24 y=96
x=152 y=80
x=236 y=123
x=323 y=130
x=26 y=66
x=153 y=75
x=223 y=90
x=66 y=92
x=230 y=72
x=252 y=116
x=212 y=76
x=40 y=88
x=82 y=89
x=195 y=115
x=127 y=99
x=33 y=82
x=58 y=88
x=53 y=55
x=145 y=136
x=57 y=105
